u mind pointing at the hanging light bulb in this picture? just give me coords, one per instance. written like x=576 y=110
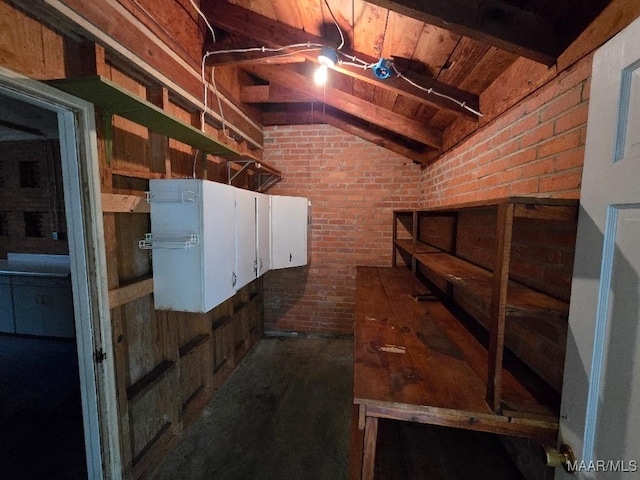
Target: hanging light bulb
x=321 y=75
x=328 y=58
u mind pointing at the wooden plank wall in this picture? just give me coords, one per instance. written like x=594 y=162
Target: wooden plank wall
x=168 y=364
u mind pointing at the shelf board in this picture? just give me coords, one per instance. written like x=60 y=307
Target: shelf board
x=477 y=282
x=528 y=207
x=406 y=244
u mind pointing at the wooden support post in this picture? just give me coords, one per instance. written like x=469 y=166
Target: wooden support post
x=356 y=443
x=394 y=236
x=159 y=144
x=497 y=318
x=369 y=453
x=415 y=231
x=89 y=59
x=454 y=233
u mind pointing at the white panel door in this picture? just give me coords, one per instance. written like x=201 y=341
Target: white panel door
x=264 y=234
x=246 y=236
x=600 y=414
x=288 y=231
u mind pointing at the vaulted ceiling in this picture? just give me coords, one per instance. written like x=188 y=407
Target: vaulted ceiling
x=443 y=55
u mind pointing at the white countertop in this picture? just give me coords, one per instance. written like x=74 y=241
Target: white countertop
x=38 y=265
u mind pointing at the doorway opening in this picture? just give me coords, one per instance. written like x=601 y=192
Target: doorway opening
x=40 y=409
x=54 y=319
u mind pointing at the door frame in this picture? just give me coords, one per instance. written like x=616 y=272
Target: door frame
x=82 y=194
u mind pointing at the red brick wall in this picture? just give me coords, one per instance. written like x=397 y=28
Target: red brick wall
x=535 y=148
x=354 y=186
x=31 y=198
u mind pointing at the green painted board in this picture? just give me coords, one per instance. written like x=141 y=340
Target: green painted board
x=112 y=98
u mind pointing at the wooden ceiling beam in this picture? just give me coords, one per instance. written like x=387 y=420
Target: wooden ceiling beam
x=272 y=94
x=270 y=33
x=490 y=21
x=351 y=104
x=222 y=54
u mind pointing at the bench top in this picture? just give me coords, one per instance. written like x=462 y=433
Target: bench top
x=415 y=355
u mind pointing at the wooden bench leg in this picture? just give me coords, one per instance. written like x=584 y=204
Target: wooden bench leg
x=356 y=444
x=369 y=454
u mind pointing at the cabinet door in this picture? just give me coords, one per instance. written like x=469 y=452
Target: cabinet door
x=6 y=306
x=176 y=213
x=288 y=231
x=43 y=307
x=264 y=234
x=198 y=278
x=245 y=233
x=218 y=249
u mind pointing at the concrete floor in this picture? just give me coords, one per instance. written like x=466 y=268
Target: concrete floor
x=283 y=414
x=40 y=405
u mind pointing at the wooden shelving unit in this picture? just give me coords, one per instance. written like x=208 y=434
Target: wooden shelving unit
x=417 y=361
x=496 y=298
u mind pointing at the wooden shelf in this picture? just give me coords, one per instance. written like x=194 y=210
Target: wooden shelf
x=491 y=296
x=113 y=99
x=477 y=282
x=529 y=207
x=421 y=247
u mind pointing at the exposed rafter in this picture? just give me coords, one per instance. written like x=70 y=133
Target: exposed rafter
x=236 y=53
x=351 y=104
x=275 y=34
x=490 y=21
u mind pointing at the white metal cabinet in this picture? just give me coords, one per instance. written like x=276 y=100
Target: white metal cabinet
x=289 y=225
x=264 y=233
x=193 y=241
x=43 y=306
x=6 y=306
x=246 y=236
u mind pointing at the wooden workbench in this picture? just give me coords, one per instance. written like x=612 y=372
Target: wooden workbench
x=414 y=361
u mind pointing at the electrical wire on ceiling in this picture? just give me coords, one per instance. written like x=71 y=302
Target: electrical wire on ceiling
x=337 y=25
x=206 y=21
x=352 y=60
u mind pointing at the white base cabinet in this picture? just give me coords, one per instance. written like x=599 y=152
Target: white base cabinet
x=43 y=306
x=6 y=306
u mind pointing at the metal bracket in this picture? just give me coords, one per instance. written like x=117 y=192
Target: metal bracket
x=244 y=167
x=183 y=242
x=263 y=183
x=100 y=355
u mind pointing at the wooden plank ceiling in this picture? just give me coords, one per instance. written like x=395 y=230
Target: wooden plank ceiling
x=448 y=53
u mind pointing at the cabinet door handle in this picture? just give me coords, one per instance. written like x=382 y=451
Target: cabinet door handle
x=234 y=279
x=290 y=256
